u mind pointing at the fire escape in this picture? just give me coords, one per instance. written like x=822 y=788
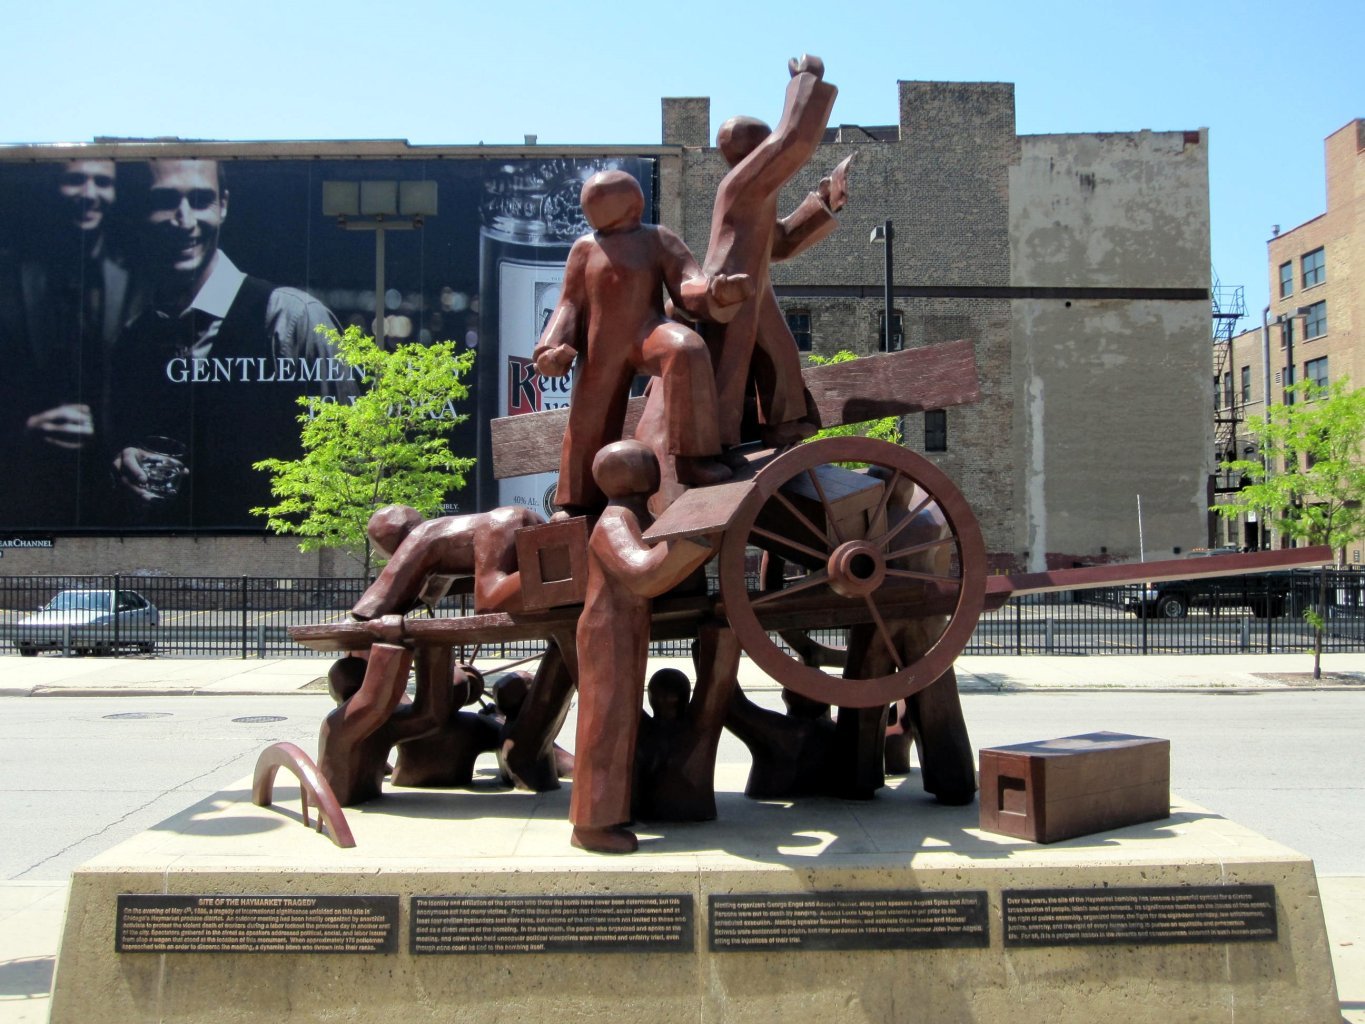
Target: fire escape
x=1229 y=306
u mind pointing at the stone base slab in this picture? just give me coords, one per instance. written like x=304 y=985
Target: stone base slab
x=490 y=842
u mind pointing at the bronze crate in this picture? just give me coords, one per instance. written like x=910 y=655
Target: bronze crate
x=1074 y=786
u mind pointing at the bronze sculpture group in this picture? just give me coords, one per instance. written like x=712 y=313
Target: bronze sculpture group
x=889 y=551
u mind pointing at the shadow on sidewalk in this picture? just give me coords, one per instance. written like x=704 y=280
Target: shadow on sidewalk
x=26 y=977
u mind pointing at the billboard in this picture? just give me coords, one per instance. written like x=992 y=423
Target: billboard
x=157 y=321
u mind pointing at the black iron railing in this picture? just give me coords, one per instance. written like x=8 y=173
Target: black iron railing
x=249 y=617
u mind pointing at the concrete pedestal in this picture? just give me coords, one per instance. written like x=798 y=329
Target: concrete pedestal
x=497 y=843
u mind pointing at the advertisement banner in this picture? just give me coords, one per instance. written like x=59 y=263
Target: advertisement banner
x=158 y=322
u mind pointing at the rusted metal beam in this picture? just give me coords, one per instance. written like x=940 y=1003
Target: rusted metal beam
x=1000 y=589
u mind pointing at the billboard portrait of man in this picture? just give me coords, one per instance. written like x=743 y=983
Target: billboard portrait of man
x=157 y=318
x=64 y=296
x=204 y=381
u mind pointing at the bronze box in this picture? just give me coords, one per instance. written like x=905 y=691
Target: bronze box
x=1074 y=786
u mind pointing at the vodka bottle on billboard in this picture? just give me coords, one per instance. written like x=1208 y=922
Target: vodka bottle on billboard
x=530 y=217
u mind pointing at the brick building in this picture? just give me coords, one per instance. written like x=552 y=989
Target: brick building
x=1314 y=327
x=1077 y=264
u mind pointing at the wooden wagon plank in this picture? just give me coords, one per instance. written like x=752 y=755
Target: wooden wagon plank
x=999 y=589
x=704 y=510
x=894 y=384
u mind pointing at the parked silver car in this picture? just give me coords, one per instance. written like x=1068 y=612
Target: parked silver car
x=86 y=622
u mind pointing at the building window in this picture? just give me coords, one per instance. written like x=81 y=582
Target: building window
x=1227 y=389
x=935 y=430
x=1316 y=371
x=798 y=322
x=1216 y=406
x=1286 y=279
x=1315 y=323
x=1314 y=267
x=1246 y=384
x=1286 y=331
x=897 y=331
x=1286 y=376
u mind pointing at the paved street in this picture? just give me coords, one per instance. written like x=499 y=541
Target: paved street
x=85 y=773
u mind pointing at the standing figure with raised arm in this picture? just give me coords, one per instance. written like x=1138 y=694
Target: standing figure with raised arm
x=610 y=321
x=747 y=235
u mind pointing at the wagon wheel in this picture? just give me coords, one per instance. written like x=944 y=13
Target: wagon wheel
x=856 y=533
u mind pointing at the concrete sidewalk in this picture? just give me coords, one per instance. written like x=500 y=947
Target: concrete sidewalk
x=31 y=914
x=52 y=675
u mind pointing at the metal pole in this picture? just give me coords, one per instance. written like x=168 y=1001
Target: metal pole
x=1142 y=547
x=1265 y=358
x=241 y=600
x=379 y=286
x=1265 y=414
x=887 y=286
x=1287 y=326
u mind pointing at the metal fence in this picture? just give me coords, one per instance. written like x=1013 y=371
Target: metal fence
x=195 y=616
x=1216 y=616
x=249 y=617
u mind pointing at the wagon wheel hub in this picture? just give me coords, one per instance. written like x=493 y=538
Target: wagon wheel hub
x=856 y=568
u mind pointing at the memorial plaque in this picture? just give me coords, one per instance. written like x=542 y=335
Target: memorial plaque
x=1150 y=915
x=157 y=923
x=849 y=920
x=552 y=924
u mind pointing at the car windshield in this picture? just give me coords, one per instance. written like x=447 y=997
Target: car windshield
x=79 y=601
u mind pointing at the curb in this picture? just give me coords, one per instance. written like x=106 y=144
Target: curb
x=1011 y=687
x=157 y=691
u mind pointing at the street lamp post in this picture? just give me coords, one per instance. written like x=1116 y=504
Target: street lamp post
x=1282 y=320
x=383 y=206
x=884 y=234
x=1301 y=311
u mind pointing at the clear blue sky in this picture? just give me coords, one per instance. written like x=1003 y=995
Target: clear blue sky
x=1270 y=80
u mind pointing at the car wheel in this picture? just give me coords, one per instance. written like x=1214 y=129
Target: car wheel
x=1170 y=608
x=147 y=648
x=28 y=652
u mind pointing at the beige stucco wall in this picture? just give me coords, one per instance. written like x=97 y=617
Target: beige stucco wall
x=1112 y=399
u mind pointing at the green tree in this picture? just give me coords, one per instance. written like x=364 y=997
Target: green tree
x=885 y=429
x=390 y=445
x=1312 y=476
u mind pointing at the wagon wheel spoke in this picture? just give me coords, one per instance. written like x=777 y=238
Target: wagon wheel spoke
x=927 y=577
x=884 y=633
x=888 y=488
x=819 y=556
x=814 y=580
x=804 y=642
x=801 y=518
x=884 y=541
x=915 y=549
x=824 y=503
